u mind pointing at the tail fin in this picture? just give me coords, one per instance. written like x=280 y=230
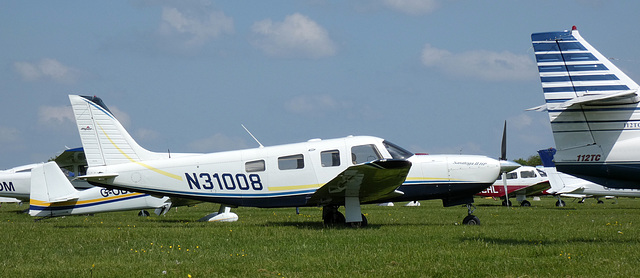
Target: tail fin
x=104 y=139
x=49 y=185
x=546 y=156
x=591 y=102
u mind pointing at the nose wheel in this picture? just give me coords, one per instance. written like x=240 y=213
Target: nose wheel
x=471 y=219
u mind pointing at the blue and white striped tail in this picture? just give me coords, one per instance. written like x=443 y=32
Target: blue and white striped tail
x=592 y=105
x=573 y=72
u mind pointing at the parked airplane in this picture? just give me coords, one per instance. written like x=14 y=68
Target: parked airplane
x=331 y=173
x=593 y=109
x=566 y=185
x=53 y=195
x=16 y=182
x=31 y=183
x=522 y=182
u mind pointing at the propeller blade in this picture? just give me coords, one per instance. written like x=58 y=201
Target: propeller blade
x=503 y=151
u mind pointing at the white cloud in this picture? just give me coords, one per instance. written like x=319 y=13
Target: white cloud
x=55 y=114
x=9 y=135
x=146 y=134
x=194 y=28
x=122 y=117
x=46 y=69
x=312 y=104
x=412 y=7
x=480 y=64
x=296 y=36
x=217 y=142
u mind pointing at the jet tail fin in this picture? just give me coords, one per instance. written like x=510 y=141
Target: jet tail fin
x=104 y=139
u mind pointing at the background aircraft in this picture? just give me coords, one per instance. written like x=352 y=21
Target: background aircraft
x=330 y=173
x=566 y=185
x=593 y=109
x=53 y=195
x=522 y=182
x=31 y=183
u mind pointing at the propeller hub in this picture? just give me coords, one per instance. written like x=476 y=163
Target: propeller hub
x=508 y=166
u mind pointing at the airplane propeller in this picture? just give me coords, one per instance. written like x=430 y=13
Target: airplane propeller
x=506 y=165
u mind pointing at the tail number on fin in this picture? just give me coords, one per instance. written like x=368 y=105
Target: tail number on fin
x=589 y=157
x=225 y=181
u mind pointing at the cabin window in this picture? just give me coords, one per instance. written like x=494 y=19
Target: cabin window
x=330 y=158
x=510 y=176
x=364 y=153
x=527 y=174
x=254 y=166
x=291 y=162
x=542 y=173
x=396 y=151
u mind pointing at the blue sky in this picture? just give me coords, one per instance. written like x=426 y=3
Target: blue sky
x=433 y=76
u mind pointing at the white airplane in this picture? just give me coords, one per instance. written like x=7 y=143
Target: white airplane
x=16 y=182
x=566 y=185
x=31 y=183
x=331 y=173
x=593 y=109
x=522 y=182
x=53 y=195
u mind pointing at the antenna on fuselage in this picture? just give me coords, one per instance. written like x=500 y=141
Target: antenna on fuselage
x=254 y=138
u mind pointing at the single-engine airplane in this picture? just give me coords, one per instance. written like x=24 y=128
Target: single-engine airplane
x=46 y=186
x=522 y=182
x=565 y=185
x=53 y=195
x=330 y=173
x=593 y=110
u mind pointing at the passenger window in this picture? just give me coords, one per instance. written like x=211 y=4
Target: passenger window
x=364 y=153
x=291 y=162
x=330 y=158
x=527 y=174
x=254 y=166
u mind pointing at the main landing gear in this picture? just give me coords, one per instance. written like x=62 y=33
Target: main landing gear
x=471 y=219
x=332 y=217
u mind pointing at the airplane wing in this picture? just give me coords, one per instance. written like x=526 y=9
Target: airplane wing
x=533 y=189
x=369 y=181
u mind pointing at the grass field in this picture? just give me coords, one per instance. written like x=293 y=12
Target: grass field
x=580 y=240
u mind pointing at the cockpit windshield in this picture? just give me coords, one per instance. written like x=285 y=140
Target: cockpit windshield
x=396 y=151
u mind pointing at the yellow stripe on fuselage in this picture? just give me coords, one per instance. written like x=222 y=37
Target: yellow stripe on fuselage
x=137 y=162
x=293 y=187
x=72 y=202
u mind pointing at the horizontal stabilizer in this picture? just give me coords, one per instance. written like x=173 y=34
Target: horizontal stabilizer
x=98 y=177
x=623 y=97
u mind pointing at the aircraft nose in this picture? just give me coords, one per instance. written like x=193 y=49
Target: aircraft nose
x=508 y=166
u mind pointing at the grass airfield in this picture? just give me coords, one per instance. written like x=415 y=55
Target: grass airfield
x=579 y=240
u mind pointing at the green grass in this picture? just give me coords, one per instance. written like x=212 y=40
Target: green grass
x=581 y=240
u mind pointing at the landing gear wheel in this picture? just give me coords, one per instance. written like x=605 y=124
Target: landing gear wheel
x=332 y=216
x=600 y=202
x=560 y=203
x=362 y=224
x=504 y=203
x=471 y=220
x=525 y=203
x=143 y=213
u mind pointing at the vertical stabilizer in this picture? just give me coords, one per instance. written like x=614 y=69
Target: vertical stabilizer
x=104 y=139
x=49 y=185
x=577 y=81
x=592 y=105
